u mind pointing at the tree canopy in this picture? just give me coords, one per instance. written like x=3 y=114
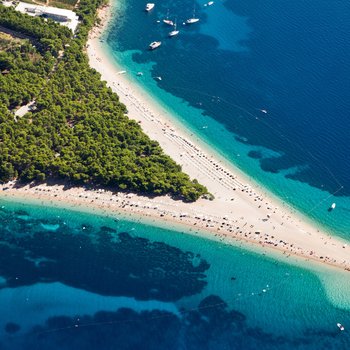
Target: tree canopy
x=79 y=130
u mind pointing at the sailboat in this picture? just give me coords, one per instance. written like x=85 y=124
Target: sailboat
x=175 y=31
x=168 y=21
x=193 y=19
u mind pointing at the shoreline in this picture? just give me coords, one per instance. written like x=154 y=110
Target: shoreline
x=162 y=212
x=242 y=212
x=146 y=109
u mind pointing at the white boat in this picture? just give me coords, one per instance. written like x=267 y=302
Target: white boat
x=149 y=6
x=340 y=326
x=174 y=32
x=209 y=3
x=333 y=206
x=154 y=45
x=167 y=20
x=193 y=19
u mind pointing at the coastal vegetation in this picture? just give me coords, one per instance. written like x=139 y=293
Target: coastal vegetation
x=77 y=129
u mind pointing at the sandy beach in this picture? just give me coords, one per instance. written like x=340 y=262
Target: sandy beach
x=241 y=210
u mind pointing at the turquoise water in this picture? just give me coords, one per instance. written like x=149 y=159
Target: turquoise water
x=243 y=57
x=72 y=280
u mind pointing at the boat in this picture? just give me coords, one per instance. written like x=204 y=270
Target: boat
x=139 y=74
x=209 y=3
x=149 y=6
x=174 y=32
x=340 y=326
x=193 y=19
x=332 y=207
x=154 y=45
x=167 y=20
x=121 y=72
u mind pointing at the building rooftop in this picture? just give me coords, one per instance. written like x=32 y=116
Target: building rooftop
x=64 y=17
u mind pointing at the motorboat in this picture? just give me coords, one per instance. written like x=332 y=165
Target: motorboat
x=340 y=326
x=149 y=6
x=154 y=45
x=332 y=207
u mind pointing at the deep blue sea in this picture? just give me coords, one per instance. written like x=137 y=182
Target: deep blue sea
x=72 y=280
x=289 y=58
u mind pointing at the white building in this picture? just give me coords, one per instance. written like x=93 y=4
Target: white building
x=64 y=17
